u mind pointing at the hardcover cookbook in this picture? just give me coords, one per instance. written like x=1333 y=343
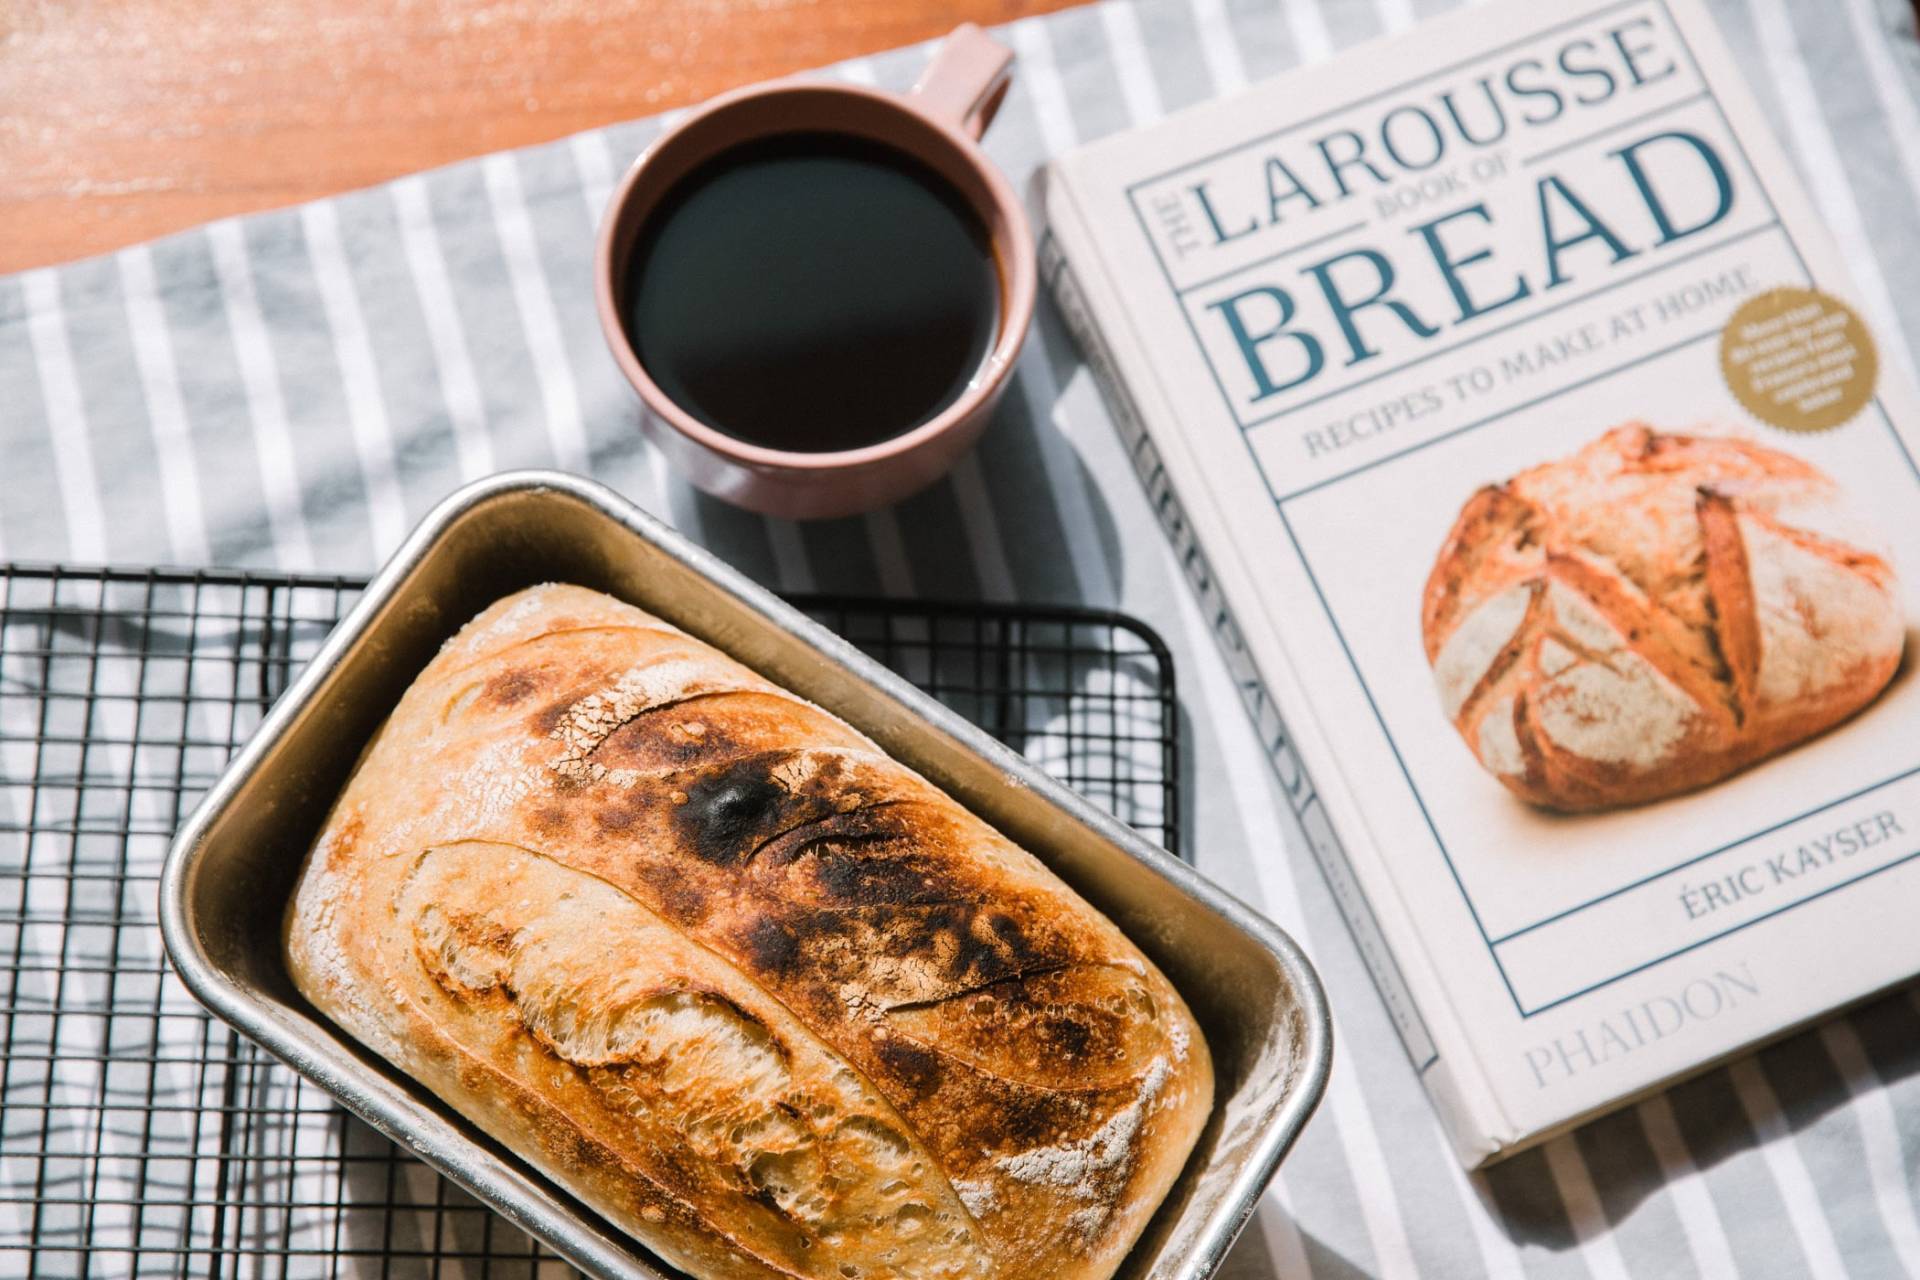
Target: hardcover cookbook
x=1556 y=504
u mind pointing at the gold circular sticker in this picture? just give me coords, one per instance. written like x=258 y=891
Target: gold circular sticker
x=1799 y=359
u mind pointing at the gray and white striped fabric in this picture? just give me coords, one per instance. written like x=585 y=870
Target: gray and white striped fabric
x=295 y=389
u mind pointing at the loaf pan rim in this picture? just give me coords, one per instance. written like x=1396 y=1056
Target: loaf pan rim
x=413 y=1118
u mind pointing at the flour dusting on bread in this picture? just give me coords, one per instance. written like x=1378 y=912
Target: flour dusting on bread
x=1476 y=644
x=1088 y=1169
x=1819 y=620
x=711 y=960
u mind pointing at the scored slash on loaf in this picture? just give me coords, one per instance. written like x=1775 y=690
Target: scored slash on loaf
x=756 y=992
x=1652 y=614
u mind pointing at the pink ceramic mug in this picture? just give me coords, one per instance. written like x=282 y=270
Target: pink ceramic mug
x=939 y=123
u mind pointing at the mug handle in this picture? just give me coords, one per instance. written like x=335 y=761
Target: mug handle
x=964 y=84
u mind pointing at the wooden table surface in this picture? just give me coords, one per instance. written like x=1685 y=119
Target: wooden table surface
x=121 y=120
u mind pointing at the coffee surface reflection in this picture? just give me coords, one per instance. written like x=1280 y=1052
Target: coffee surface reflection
x=813 y=293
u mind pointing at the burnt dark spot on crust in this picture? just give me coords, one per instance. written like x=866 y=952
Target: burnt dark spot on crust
x=510 y=686
x=771 y=946
x=831 y=830
x=1068 y=1037
x=1029 y=1118
x=933 y=929
x=548 y=819
x=993 y=946
x=910 y=1063
x=548 y=718
x=871 y=856
x=1006 y=931
x=846 y=871
x=625 y=809
x=1075 y=1029
x=674 y=736
x=913 y=951
x=730 y=813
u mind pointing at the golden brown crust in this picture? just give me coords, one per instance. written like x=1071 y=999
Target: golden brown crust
x=1653 y=614
x=587 y=847
x=1491 y=537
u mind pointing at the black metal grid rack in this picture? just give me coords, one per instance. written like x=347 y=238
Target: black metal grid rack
x=139 y=1136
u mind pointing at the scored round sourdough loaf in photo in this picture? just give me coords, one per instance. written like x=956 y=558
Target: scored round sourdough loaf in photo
x=1652 y=614
x=754 y=991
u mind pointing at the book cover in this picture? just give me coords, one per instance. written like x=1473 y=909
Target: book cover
x=1556 y=506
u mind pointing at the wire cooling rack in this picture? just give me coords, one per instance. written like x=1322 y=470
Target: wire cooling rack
x=140 y=1137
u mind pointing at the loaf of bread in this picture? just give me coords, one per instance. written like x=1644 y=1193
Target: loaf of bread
x=710 y=960
x=1652 y=614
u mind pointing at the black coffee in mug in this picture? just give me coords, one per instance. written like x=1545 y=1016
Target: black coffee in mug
x=813 y=292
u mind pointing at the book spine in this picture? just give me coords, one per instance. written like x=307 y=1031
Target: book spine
x=1057 y=270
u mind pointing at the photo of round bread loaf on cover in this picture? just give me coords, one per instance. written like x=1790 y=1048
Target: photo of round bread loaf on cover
x=1653 y=614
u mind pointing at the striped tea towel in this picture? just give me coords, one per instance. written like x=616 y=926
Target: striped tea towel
x=295 y=388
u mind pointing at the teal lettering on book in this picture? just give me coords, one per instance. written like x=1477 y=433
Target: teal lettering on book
x=1282 y=326
x=1411 y=137
x=1657 y=205
x=1250 y=343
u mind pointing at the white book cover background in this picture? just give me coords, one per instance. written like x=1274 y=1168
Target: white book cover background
x=1336 y=306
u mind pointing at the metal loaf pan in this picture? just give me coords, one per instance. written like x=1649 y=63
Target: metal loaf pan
x=232 y=865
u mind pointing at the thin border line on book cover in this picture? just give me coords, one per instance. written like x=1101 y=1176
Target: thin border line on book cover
x=1280 y=500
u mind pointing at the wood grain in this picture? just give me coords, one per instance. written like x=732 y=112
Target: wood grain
x=121 y=120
